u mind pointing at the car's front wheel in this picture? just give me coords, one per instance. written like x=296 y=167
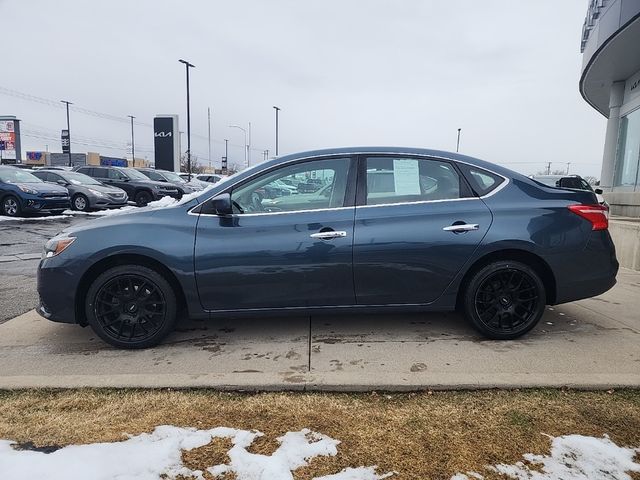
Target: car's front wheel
x=504 y=300
x=11 y=206
x=80 y=202
x=131 y=306
x=143 y=198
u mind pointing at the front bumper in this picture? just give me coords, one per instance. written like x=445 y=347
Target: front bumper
x=34 y=203
x=56 y=293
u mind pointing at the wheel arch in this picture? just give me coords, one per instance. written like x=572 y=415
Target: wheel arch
x=536 y=262
x=124 y=259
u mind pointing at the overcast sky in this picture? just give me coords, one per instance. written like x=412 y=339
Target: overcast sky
x=367 y=72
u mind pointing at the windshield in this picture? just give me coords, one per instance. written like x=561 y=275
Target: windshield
x=133 y=174
x=79 y=178
x=173 y=177
x=11 y=175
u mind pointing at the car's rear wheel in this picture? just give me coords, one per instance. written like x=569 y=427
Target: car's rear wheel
x=11 y=206
x=143 y=198
x=504 y=299
x=80 y=202
x=131 y=306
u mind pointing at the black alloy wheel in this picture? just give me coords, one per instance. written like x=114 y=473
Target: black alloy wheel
x=505 y=299
x=131 y=307
x=80 y=202
x=143 y=198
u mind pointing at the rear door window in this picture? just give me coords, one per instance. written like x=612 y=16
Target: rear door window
x=402 y=180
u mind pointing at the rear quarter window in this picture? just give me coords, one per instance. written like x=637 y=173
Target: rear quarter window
x=482 y=181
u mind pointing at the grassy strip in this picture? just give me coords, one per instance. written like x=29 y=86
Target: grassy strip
x=421 y=435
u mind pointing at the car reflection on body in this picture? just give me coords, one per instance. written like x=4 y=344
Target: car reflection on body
x=395 y=229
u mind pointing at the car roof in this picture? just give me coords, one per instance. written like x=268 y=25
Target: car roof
x=373 y=150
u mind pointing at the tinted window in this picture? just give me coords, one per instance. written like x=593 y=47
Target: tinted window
x=398 y=180
x=319 y=184
x=481 y=181
x=153 y=175
x=116 y=175
x=100 y=172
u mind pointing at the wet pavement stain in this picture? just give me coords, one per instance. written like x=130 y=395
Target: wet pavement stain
x=418 y=367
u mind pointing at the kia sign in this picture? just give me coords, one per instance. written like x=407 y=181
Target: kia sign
x=166 y=141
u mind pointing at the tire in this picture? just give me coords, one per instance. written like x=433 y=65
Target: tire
x=80 y=203
x=504 y=299
x=142 y=198
x=11 y=206
x=131 y=306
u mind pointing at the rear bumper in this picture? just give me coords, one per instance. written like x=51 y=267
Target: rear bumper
x=592 y=272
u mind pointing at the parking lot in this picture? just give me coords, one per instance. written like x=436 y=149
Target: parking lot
x=590 y=343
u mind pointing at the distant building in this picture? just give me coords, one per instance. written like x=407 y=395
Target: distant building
x=610 y=83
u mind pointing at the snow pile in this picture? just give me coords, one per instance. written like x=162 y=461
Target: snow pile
x=573 y=457
x=31 y=219
x=156 y=455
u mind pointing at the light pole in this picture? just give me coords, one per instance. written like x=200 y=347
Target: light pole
x=133 y=145
x=246 y=156
x=68 y=129
x=458 y=143
x=187 y=65
x=209 y=130
x=277 y=110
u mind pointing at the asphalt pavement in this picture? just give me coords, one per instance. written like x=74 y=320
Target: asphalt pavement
x=21 y=243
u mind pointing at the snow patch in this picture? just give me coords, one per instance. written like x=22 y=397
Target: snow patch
x=31 y=219
x=573 y=457
x=156 y=455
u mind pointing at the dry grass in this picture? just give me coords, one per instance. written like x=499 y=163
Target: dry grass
x=418 y=435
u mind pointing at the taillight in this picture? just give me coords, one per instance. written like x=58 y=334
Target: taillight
x=596 y=214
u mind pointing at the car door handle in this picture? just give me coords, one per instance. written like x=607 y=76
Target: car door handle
x=331 y=234
x=464 y=227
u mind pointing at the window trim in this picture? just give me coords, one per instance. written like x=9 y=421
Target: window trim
x=354 y=158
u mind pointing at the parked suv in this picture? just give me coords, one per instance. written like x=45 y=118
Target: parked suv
x=22 y=192
x=139 y=188
x=172 y=178
x=86 y=193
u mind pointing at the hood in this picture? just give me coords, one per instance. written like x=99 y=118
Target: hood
x=102 y=188
x=43 y=187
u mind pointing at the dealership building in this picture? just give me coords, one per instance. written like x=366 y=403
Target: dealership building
x=610 y=83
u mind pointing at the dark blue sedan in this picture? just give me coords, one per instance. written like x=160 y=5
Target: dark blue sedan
x=23 y=193
x=390 y=229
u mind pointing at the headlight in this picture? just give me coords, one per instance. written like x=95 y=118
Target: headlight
x=96 y=193
x=57 y=245
x=26 y=189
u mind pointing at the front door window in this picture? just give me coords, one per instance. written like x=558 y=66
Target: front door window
x=313 y=185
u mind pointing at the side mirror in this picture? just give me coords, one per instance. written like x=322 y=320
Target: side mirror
x=61 y=182
x=598 y=191
x=219 y=205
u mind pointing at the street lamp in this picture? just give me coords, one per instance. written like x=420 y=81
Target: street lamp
x=133 y=145
x=246 y=153
x=68 y=130
x=187 y=65
x=458 y=143
x=277 y=110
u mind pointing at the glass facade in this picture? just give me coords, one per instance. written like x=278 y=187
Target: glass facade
x=628 y=153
